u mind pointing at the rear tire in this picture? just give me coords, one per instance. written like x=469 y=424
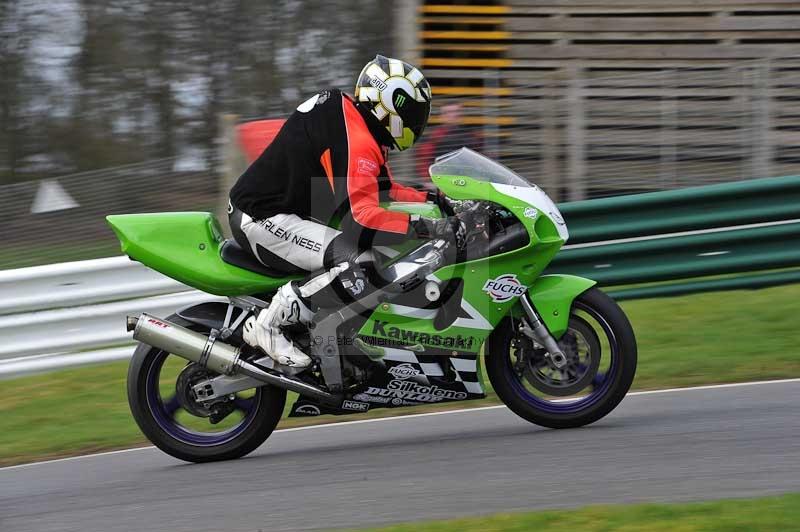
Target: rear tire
x=605 y=395
x=148 y=409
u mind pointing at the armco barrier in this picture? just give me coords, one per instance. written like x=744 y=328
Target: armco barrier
x=90 y=326
x=687 y=256
x=71 y=284
x=687 y=209
x=72 y=314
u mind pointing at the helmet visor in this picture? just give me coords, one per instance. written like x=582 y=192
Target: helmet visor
x=414 y=113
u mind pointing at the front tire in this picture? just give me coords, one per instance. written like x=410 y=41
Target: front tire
x=176 y=431
x=533 y=393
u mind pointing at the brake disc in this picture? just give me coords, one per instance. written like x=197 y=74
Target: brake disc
x=580 y=369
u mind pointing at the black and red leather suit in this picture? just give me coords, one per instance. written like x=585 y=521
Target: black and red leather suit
x=326 y=168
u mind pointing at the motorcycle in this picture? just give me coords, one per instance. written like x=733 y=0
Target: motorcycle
x=558 y=351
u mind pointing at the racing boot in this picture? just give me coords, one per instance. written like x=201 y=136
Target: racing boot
x=295 y=303
x=264 y=331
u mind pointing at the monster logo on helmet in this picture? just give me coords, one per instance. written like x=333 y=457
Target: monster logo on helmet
x=398 y=95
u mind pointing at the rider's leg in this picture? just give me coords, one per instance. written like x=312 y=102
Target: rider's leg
x=296 y=302
x=291 y=244
x=284 y=242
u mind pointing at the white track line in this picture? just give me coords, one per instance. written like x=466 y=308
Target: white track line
x=412 y=416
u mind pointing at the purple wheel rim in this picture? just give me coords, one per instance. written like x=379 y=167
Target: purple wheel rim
x=571 y=407
x=163 y=413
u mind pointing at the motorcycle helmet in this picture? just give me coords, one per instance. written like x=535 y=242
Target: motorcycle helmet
x=398 y=95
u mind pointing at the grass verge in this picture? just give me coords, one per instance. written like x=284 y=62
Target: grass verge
x=683 y=341
x=768 y=514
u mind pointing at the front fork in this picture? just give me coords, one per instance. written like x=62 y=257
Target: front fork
x=537 y=331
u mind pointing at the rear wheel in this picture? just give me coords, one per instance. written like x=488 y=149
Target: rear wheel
x=162 y=403
x=601 y=362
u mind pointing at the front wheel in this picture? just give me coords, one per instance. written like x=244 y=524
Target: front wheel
x=601 y=362
x=162 y=402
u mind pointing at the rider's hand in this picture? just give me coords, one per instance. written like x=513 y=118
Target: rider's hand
x=438 y=199
x=451 y=228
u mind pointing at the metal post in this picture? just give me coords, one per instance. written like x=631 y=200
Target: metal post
x=406 y=25
x=762 y=121
x=549 y=141
x=576 y=135
x=668 y=155
x=490 y=127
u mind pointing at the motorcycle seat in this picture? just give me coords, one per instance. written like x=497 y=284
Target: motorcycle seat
x=232 y=253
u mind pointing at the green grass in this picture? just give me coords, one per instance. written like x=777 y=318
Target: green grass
x=683 y=341
x=767 y=514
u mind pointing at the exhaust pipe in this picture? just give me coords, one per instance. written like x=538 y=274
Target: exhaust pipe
x=212 y=354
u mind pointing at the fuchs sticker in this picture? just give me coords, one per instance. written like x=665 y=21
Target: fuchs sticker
x=531 y=213
x=504 y=288
x=355 y=405
x=308 y=410
x=403 y=371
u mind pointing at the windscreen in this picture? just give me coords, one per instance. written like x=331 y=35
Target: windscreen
x=467 y=163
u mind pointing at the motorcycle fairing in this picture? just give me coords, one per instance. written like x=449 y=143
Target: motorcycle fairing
x=186 y=247
x=552 y=296
x=411 y=378
x=481 y=312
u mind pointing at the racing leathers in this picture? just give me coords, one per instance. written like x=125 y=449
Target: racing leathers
x=326 y=167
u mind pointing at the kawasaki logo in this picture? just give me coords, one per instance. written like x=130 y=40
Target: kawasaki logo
x=399 y=100
x=403 y=371
x=504 y=288
x=382 y=328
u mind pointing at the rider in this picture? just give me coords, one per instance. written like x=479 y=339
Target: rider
x=328 y=165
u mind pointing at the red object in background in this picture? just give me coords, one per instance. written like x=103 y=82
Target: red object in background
x=255 y=136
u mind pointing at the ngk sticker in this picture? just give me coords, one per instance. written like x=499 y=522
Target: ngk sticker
x=355 y=405
x=504 y=288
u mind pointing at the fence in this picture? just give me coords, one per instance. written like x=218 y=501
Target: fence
x=63 y=219
x=663 y=238
x=581 y=136
x=573 y=133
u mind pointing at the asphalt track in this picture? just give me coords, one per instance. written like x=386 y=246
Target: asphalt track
x=716 y=442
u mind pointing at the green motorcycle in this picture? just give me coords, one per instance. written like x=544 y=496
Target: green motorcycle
x=558 y=351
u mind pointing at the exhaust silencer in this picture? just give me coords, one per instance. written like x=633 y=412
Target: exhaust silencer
x=209 y=353
x=204 y=350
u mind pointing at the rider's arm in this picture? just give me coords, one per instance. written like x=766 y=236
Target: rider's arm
x=362 y=188
x=400 y=192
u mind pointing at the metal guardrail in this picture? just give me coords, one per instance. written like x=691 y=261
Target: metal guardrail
x=687 y=235
x=71 y=284
x=72 y=314
x=686 y=209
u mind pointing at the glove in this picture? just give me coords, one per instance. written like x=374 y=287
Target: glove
x=438 y=199
x=451 y=228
